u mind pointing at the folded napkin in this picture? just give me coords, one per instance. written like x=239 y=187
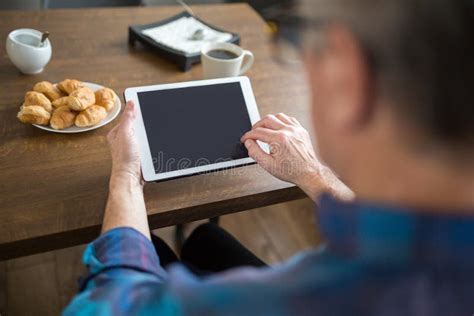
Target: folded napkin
x=179 y=35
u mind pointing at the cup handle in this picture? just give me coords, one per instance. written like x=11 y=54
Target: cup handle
x=247 y=63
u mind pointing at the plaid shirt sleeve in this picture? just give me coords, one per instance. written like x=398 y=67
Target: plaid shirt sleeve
x=123 y=248
x=121 y=263
x=125 y=278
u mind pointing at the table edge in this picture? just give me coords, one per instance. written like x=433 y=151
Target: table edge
x=25 y=247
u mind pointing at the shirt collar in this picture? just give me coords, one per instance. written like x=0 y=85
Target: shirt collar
x=392 y=235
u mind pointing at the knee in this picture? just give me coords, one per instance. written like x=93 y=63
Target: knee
x=205 y=230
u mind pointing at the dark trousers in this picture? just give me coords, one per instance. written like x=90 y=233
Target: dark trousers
x=208 y=249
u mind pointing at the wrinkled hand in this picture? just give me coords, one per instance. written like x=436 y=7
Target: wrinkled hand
x=291 y=156
x=124 y=147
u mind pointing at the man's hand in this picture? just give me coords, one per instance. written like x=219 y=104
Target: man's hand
x=124 y=147
x=126 y=204
x=292 y=157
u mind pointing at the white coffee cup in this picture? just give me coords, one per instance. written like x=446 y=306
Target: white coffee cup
x=219 y=67
x=26 y=52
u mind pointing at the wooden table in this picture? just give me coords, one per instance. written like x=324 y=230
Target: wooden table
x=53 y=187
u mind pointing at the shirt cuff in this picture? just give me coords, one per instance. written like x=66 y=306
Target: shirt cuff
x=122 y=247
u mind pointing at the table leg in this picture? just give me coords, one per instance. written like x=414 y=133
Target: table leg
x=179 y=235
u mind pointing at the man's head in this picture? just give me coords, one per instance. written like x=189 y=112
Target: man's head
x=393 y=73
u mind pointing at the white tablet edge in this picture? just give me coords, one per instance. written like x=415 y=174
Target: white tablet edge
x=148 y=169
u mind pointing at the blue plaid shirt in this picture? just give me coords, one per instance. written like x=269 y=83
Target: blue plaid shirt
x=379 y=260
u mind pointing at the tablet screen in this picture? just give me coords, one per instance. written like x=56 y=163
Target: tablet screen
x=195 y=126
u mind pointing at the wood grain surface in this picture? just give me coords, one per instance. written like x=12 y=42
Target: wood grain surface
x=53 y=187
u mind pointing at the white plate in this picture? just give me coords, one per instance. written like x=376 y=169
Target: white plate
x=74 y=129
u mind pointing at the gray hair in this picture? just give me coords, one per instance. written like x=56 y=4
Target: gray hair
x=422 y=56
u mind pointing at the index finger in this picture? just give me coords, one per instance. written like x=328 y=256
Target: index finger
x=263 y=134
x=270 y=121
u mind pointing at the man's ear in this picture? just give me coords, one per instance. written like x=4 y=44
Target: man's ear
x=348 y=79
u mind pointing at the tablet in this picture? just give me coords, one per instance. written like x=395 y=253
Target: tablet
x=193 y=127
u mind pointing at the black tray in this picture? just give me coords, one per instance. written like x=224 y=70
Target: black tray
x=184 y=61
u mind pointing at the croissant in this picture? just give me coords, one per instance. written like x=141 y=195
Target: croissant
x=105 y=97
x=81 y=99
x=69 y=85
x=34 y=114
x=90 y=116
x=62 y=118
x=48 y=89
x=36 y=98
x=60 y=102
